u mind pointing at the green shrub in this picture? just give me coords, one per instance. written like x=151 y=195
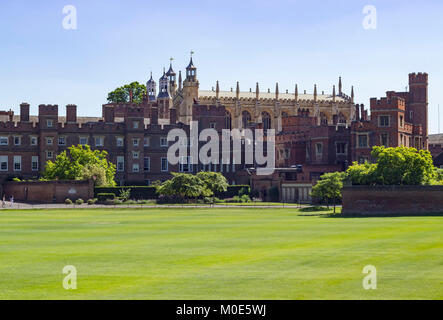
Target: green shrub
x=79 y=202
x=68 y=201
x=125 y=194
x=136 y=192
x=117 y=202
x=92 y=201
x=102 y=197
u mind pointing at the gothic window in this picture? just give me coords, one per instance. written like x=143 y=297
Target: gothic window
x=246 y=118
x=266 y=118
x=341 y=118
x=228 y=120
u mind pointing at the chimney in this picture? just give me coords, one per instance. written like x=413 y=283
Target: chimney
x=154 y=115
x=24 y=112
x=109 y=114
x=357 y=112
x=71 y=113
x=362 y=111
x=172 y=116
x=131 y=95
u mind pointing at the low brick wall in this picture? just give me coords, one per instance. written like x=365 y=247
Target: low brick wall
x=49 y=191
x=392 y=200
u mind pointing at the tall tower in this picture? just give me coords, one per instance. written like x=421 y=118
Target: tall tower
x=151 y=89
x=190 y=93
x=417 y=111
x=172 y=80
x=164 y=98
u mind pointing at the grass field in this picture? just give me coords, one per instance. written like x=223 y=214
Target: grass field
x=233 y=253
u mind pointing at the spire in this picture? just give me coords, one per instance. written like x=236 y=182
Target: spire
x=257 y=91
x=276 y=91
x=171 y=72
x=217 y=90
x=315 y=92
x=296 y=93
x=180 y=80
x=340 y=87
x=333 y=93
x=237 y=91
x=352 y=94
x=191 y=70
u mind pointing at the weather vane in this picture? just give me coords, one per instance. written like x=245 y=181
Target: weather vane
x=192 y=53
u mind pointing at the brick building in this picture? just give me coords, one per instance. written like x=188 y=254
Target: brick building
x=316 y=133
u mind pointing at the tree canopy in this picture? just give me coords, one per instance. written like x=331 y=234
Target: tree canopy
x=328 y=188
x=121 y=94
x=81 y=163
x=395 y=166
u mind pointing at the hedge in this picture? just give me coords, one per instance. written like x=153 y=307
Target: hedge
x=137 y=192
x=149 y=193
x=102 y=197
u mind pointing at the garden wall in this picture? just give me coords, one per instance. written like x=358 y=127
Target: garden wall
x=392 y=200
x=49 y=191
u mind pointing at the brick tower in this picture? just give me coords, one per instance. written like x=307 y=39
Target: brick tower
x=418 y=103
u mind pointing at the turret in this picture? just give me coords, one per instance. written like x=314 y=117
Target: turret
x=172 y=79
x=151 y=89
x=164 y=87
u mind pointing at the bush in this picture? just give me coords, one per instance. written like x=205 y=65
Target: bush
x=171 y=200
x=136 y=192
x=125 y=194
x=92 y=201
x=79 y=202
x=233 y=191
x=102 y=197
x=68 y=201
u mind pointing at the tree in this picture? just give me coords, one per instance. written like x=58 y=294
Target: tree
x=214 y=183
x=81 y=163
x=395 y=166
x=121 y=94
x=185 y=186
x=329 y=187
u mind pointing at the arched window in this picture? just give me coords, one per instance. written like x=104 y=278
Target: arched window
x=341 y=118
x=266 y=119
x=323 y=119
x=228 y=120
x=246 y=118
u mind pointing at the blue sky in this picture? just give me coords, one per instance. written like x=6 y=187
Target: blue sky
x=289 y=41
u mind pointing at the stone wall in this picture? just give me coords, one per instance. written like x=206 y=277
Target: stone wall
x=49 y=191
x=392 y=200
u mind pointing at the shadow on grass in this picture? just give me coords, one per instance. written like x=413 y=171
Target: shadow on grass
x=339 y=215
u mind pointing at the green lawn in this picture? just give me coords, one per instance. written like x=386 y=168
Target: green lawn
x=233 y=253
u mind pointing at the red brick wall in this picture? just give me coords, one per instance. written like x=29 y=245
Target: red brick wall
x=392 y=200
x=49 y=191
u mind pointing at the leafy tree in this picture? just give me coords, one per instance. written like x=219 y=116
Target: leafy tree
x=395 y=166
x=81 y=163
x=329 y=187
x=214 y=183
x=185 y=186
x=121 y=94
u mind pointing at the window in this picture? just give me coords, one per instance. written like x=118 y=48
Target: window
x=49 y=154
x=164 y=164
x=49 y=141
x=120 y=141
x=17 y=140
x=83 y=141
x=135 y=124
x=411 y=115
x=34 y=141
x=185 y=164
x=34 y=163
x=146 y=141
x=163 y=142
x=4 y=141
x=401 y=121
x=362 y=160
x=62 y=141
x=99 y=141
x=135 y=167
x=49 y=123
x=135 y=155
x=362 y=140
x=287 y=154
x=3 y=163
x=147 y=164
x=120 y=164
x=213 y=125
x=17 y=163
x=319 y=148
x=135 y=142
x=341 y=148
x=384 y=139
x=383 y=121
